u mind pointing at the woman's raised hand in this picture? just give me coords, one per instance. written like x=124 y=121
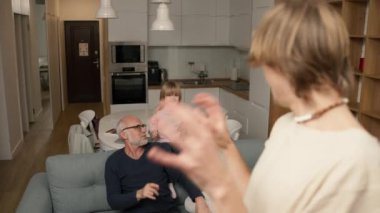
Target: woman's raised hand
x=201 y=133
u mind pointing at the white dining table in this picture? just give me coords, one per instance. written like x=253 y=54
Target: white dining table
x=109 y=141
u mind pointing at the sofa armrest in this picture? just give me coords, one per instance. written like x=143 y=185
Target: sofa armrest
x=36 y=197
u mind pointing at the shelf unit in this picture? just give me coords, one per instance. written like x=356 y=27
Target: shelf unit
x=370 y=101
x=362 y=18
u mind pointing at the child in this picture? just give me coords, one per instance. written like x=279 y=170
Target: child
x=170 y=93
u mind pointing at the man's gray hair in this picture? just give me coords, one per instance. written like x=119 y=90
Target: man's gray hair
x=120 y=126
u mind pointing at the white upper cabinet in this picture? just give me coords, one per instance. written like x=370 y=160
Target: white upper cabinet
x=222 y=30
x=196 y=23
x=241 y=31
x=198 y=30
x=240 y=24
x=259 y=8
x=153 y=98
x=263 y=3
x=199 y=7
x=223 y=8
x=128 y=27
x=132 y=21
x=239 y=7
x=138 y=6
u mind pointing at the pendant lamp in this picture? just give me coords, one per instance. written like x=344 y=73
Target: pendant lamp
x=162 y=21
x=106 y=10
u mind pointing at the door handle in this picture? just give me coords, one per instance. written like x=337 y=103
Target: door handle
x=96 y=62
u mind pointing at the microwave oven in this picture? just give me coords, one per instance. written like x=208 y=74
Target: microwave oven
x=128 y=56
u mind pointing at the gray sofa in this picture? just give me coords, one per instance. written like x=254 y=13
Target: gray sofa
x=75 y=183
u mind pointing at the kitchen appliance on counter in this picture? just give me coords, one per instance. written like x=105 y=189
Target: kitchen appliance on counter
x=156 y=75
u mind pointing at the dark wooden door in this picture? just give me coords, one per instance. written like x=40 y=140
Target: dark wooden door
x=82 y=61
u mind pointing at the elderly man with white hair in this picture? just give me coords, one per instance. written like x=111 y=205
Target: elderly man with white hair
x=134 y=183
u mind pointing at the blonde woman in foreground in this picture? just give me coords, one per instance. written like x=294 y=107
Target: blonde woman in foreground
x=318 y=158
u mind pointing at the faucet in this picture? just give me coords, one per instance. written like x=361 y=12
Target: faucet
x=202 y=76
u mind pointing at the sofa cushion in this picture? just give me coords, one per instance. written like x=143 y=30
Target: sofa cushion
x=36 y=197
x=250 y=150
x=77 y=182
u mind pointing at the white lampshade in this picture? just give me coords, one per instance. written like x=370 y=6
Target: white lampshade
x=106 y=10
x=162 y=21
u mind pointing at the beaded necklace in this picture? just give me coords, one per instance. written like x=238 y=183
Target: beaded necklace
x=311 y=116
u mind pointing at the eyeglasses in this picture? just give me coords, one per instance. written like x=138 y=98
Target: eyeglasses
x=139 y=126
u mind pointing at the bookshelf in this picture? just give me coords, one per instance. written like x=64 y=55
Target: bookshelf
x=370 y=100
x=362 y=18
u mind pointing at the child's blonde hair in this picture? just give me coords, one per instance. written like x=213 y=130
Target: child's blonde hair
x=170 y=88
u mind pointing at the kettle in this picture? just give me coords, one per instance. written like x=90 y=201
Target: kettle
x=164 y=75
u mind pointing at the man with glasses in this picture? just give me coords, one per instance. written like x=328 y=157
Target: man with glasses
x=135 y=184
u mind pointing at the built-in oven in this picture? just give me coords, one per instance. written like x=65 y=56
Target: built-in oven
x=129 y=87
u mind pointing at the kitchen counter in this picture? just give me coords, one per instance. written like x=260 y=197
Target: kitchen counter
x=239 y=88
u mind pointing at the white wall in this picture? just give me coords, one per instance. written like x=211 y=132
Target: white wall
x=41 y=30
x=11 y=112
x=218 y=60
x=5 y=149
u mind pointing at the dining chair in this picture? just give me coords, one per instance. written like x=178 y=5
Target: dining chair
x=86 y=117
x=78 y=142
x=234 y=128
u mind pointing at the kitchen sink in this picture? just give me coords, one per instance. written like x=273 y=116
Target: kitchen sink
x=196 y=82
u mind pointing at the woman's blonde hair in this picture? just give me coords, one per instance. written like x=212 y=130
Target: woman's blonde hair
x=307 y=42
x=170 y=88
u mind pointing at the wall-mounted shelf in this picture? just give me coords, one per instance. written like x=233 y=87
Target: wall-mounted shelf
x=372 y=114
x=373 y=76
x=354 y=106
x=357 y=36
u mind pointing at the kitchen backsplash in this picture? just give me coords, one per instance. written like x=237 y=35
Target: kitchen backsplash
x=218 y=61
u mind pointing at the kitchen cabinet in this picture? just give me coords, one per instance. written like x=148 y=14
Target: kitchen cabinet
x=263 y=3
x=241 y=7
x=196 y=23
x=153 y=98
x=190 y=93
x=198 y=30
x=132 y=21
x=241 y=31
x=253 y=118
x=222 y=31
x=257 y=14
x=259 y=91
x=134 y=6
x=199 y=7
x=241 y=24
x=223 y=7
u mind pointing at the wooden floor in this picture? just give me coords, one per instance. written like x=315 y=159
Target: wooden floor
x=41 y=141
